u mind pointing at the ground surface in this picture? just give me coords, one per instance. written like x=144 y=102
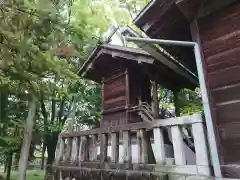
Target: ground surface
x=31 y=175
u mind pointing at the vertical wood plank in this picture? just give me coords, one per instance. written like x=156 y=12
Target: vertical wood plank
x=69 y=149
x=93 y=148
x=127 y=149
x=115 y=147
x=178 y=148
x=200 y=148
x=59 y=156
x=160 y=155
x=83 y=149
x=142 y=146
x=103 y=147
x=75 y=150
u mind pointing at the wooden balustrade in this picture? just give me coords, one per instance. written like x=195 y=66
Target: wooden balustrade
x=80 y=148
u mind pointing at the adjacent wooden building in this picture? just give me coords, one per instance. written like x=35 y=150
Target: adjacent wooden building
x=215 y=25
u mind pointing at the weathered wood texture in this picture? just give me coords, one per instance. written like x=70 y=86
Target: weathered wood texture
x=148 y=162
x=220 y=37
x=164 y=20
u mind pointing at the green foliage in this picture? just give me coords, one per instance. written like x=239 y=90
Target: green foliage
x=189 y=101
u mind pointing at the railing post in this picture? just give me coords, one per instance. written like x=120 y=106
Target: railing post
x=75 y=150
x=103 y=147
x=93 y=148
x=145 y=151
x=115 y=147
x=202 y=160
x=142 y=146
x=160 y=155
x=83 y=149
x=59 y=155
x=178 y=148
x=69 y=149
x=127 y=149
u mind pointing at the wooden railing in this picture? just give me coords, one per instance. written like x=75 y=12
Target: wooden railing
x=78 y=150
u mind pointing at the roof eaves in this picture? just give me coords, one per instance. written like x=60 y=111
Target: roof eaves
x=88 y=61
x=143 y=11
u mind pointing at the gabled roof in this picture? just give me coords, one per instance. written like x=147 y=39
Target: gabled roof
x=105 y=58
x=162 y=56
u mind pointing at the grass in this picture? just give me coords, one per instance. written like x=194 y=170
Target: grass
x=31 y=175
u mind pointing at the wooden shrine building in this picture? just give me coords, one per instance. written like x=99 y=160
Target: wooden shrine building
x=129 y=79
x=215 y=26
x=133 y=138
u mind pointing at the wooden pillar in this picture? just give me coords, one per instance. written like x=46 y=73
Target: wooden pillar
x=155 y=100
x=176 y=103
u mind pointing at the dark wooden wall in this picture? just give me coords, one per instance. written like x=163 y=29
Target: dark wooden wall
x=121 y=91
x=220 y=38
x=114 y=99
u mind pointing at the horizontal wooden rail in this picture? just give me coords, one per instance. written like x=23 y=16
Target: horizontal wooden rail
x=184 y=120
x=155 y=168
x=79 y=150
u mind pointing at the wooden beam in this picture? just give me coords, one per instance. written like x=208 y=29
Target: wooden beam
x=184 y=120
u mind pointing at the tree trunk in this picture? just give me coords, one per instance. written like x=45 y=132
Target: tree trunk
x=43 y=155
x=9 y=166
x=51 y=143
x=27 y=140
